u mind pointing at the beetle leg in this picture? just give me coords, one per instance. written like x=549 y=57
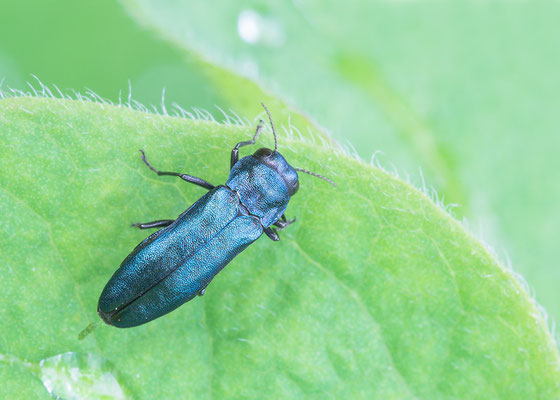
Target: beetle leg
x=271 y=233
x=235 y=152
x=185 y=177
x=283 y=222
x=201 y=291
x=153 y=224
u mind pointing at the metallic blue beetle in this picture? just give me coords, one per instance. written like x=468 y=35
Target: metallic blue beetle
x=176 y=263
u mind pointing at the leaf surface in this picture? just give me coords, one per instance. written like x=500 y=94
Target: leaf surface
x=375 y=291
x=468 y=91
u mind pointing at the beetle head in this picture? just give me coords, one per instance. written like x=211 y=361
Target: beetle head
x=278 y=163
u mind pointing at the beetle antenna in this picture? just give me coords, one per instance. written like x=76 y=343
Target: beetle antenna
x=315 y=175
x=272 y=125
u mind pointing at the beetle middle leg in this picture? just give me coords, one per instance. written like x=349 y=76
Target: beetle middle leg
x=153 y=224
x=283 y=222
x=271 y=233
x=185 y=177
x=235 y=152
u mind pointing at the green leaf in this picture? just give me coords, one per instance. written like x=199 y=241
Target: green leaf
x=467 y=90
x=315 y=54
x=375 y=292
x=140 y=64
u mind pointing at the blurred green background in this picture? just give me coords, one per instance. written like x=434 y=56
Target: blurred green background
x=467 y=92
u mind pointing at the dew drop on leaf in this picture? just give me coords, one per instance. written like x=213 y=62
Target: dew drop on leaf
x=80 y=376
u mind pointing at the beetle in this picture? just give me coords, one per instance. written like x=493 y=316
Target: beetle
x=176 y=263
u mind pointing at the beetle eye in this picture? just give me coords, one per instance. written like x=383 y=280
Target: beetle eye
x=263 y=153
x=295 y=187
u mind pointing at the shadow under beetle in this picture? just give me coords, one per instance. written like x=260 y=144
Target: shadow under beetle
x=176 y=263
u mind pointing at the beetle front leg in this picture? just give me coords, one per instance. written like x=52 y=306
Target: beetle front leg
x=153 y=224
x=188 y=178
x=235 y=152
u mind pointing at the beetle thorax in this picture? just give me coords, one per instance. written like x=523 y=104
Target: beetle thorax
x=261 y=188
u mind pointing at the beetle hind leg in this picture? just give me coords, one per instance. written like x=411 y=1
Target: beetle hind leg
x=203 y=290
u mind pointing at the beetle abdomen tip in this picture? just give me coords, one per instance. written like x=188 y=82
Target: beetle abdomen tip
x=106 y=317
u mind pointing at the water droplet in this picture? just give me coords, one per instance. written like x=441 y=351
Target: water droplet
x=80 y=376
x=254 y=28
x=248 y=26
